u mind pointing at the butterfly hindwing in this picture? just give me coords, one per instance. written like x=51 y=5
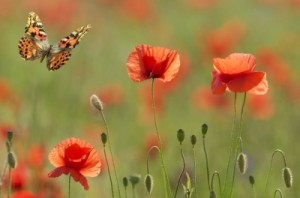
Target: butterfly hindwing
x=60 y=53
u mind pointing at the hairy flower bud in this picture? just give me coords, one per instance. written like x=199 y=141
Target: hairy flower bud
x=149 y=183
x=288 y=177
x=96 y=102
x=242 y=162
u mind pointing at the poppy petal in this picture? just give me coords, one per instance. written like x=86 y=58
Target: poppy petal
x=59 y=171
x=235 y=63
x=261 y=88
x=217 y=86
x=246 y=82
x=79 y=178
x=92 y=166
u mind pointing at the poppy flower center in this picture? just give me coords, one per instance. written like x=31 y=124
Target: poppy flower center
x=154 y=69
x=76 y=156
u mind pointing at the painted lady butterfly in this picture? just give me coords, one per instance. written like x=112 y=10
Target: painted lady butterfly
x=35 y=43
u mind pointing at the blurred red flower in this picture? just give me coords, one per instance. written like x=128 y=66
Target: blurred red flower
x=23 y=194
x=236 y=73
x=140 y=10
x=4 y=128
x=75 y=157
x=221 y=41
x=7 y=94
x=261 y=106
x=202 y=98
x=36 y=156
x=111 y=94
x=281 y=73
x=19 y=176
x=146 y=62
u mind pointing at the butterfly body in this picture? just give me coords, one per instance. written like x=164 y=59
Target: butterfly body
x=35 y=45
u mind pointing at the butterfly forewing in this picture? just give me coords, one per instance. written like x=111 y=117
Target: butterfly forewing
x=35 y=27
x=60 y=53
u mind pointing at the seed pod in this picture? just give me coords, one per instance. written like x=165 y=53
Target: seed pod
x=251 y=180
x=125 y=182
x=180 y=135
x=288 y=177
x=193 y=140
x=212 y=194
x=11 y=159
x=104 y=138
x=204 y=129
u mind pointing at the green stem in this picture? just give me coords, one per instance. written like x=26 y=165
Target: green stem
x=3 y=176
x=183 y=169
x=166 y=178
x=111 y=153
x=219 y=182
x=268 y=177
x=239 y=137
x=231 y=145
x=9 y=182
x=280 y=193
x=206 y=161
x=195 y=174
x=133 y=191
x=254 y=191
x=109 y=172
x=69 y=193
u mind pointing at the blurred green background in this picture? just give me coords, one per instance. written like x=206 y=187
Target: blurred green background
x=43 y=107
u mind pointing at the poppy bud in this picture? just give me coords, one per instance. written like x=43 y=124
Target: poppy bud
x=242 y=162
x=251 y=180
x=204 y=129
x=125 y=182
x=96 y=102
x=288 y=177
x=149 y=183
x=134 y=179
x=212 y=194
x=193 y=140
x=180 y=135
x=9 y=135
x=104 y=138
x=11 y=159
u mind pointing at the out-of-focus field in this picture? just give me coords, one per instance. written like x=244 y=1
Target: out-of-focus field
x=43 y=107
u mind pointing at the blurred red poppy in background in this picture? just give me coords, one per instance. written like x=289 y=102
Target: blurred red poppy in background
x=261 y=106
x=140 y=10
x=221 y=41
x=75 y=157
x=36 y=156
x=111 y=95
x=23 y=194
x=146 y=62
x=236 y=73
x=203 y=98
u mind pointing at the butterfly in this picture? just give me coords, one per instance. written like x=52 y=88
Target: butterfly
x=35 y=45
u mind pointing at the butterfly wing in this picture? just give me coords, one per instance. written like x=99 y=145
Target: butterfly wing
x=35 y=42
x=60 y=53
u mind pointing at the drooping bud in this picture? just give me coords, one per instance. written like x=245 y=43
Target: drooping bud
x=104 y=138
x=193 y=140
x=125 y=182
x=288 y=177
x=11 y=159
x=180 y=135
x=149 y=183
x=96 y=102
x=242 y=162
x=204 y=129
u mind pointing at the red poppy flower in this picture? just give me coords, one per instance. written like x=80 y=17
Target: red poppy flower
x=235 y=73
x=77 y=157
x=146 y=62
